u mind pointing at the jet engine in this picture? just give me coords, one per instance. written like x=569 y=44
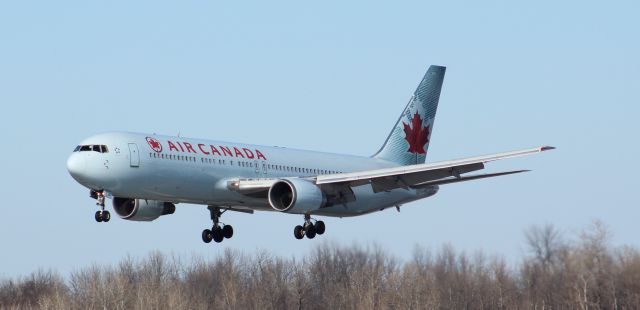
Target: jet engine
x=296 y=196
x=141 y=209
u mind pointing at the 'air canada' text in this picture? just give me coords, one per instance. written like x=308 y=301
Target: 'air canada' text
x=220 y=150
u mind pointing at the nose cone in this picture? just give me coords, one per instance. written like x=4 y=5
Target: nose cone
x=76 y=165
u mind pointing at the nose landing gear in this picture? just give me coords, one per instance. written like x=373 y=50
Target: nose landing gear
x=217 y=233
x=308 y=229
x=102 y=215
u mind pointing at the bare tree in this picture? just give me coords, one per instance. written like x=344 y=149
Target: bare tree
x=587 y=273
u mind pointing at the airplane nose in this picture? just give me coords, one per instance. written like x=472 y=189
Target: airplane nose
x=76 y=166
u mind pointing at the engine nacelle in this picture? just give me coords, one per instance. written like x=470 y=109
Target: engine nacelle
x=141 y=209
x=296 y=196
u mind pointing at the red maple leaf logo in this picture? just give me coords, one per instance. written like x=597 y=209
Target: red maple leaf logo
x=416 y=135
x=154 y=144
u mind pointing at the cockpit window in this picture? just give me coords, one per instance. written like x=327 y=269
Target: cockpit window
x=95 y=148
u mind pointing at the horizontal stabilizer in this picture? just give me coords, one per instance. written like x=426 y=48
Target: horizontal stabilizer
x=467 y=178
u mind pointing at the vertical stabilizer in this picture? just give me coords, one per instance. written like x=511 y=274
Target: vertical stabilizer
x=408 y=142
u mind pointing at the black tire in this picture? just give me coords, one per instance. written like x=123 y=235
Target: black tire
x=227 y=231
x=319 y=226
x=106 y=216
x=207 y=236
x=98 y=217
x=310 y=231
x=298 y=232
x=217 y=234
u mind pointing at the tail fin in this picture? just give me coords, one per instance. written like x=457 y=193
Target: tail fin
x=408 y=141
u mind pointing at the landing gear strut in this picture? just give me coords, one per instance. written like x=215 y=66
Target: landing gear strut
x=217 y=233
x=102 y=215
x=308 y=229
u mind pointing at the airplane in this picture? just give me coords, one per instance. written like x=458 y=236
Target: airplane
x=146 y=175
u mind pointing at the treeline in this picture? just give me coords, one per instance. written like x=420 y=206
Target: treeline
x=584 y=273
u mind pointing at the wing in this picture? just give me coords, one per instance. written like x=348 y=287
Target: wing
x=418 y=175
x=414 y=176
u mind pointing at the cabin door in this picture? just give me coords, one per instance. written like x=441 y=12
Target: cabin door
x=134 y=157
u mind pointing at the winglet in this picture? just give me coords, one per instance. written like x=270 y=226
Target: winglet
x=546 y=148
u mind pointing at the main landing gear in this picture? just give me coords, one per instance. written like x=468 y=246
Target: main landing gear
x=308 y=229
x=102 y=215
x=216 y=233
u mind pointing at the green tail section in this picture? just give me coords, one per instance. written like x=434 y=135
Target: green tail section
x=409 y=139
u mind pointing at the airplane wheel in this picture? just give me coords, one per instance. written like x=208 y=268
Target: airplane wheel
x=217 y=234
x=298 y=232
x=207 y=236
x=227 y=231
x=319 y=227
x=310 y=231
x=98 y=217
x=106 y=216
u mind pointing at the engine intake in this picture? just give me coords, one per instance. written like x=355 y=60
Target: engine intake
x=141 y=209
x=296 y=196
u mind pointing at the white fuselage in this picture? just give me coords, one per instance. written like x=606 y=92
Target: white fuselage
x=185 y=170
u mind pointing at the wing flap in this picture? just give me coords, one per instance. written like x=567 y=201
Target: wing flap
x=398 y=181
x=467 y=178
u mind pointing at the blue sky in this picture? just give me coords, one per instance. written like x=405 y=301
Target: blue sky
x=328 y=76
